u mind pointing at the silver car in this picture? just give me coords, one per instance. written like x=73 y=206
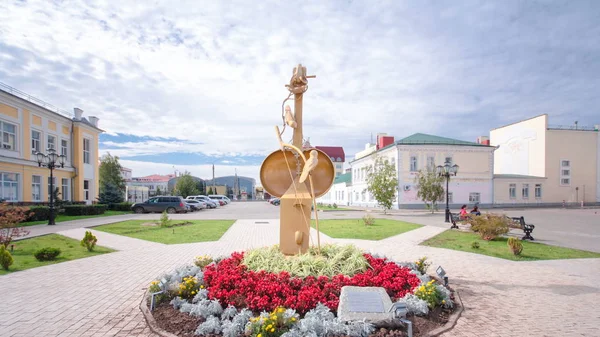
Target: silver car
x=196 y=204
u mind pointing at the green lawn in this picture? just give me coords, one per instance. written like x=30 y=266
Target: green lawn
x=498 y=248
x=70 y=250
x=61 y=218
x=330 y=208
x=355 y=228
x=197 y=231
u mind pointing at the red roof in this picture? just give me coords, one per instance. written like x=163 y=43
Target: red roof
x=334 y=152
x=155 y=178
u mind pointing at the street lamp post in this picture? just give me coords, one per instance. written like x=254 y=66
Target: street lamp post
x=51 y=160
x=447 y=171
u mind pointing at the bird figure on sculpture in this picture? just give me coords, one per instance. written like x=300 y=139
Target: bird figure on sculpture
x=289 y=117
x=310 y=165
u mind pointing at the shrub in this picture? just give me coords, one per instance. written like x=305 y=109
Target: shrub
x=47 y=254
x=10 y=217
x=333 y=260
x=429 y=293
x=89 y=241
x=122 y=206
x=489 y=226
x=39 y=213
x=422 y=265
x=85 y=209
x=6 y=260
x=335 y=205
x=164 y=220
x=274 y=325
x=368 y=220
x=189 y=287
x=515 y=245
x=203 y=261
x=475 y=245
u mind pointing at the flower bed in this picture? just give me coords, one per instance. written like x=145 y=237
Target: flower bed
x=267 y=304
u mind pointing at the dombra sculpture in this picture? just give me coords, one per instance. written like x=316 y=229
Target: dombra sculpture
x=295 y=174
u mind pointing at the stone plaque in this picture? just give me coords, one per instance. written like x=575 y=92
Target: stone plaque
x=365 y=302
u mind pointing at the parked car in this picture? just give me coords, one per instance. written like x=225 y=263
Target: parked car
x=209 y=202
x=275 y=201
x=220 y=197
x=160 y=204
x=195 y=205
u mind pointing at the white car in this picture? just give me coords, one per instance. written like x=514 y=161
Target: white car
x=210 y=203
x=198 y=204
x=220 y=197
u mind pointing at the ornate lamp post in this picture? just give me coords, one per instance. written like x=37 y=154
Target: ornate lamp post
x=51 y=161
x=447 y=171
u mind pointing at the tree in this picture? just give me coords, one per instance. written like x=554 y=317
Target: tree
x=210 y=191
x=430 y=188
x=200 y=186
x=110 y=173
x=10 y=217
x=186 y=185
x=158 y=191
x=110 y=195
x=382 y=182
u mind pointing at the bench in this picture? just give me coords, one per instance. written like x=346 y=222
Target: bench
x=454 y=218
x=527 y=228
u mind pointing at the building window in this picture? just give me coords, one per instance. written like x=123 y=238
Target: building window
x=9 y=187
x=36 y=141
x=65 y=189
x=512 y=191
x=538 y=191
x=450 y=198
x=36 y=188
x=64 y=148
x=54 y=185
x=430 y=163
x=413 y=164
x=51 y=142
x=364 y=195
x=393 y=162
x=9 y=136
x=86 y=151
x=565 y=172
x=474 y=197
x=338 y=166
x=86 y=190
x=525 y=191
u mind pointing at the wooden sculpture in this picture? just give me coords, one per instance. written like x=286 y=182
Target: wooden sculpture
x=296 y=175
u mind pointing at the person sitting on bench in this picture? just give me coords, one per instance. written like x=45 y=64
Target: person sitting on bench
x=476 y=211
x=463 y=212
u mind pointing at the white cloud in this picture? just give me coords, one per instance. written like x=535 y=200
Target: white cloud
x=213 y=72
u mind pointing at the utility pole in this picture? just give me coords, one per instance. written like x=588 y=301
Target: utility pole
x=214 y=184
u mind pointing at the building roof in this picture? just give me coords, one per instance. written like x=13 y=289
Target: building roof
x=422 y=138
x=155 y=178
x=333 y=152
x=343 y=178
x=516 y=176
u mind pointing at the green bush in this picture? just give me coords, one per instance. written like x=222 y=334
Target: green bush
x=335 y=205
x=368 y=220
x=89 y=241
x=5 y=258
x=123 y=207
x=489 y=226
x=333 y=260
x=164 y=220
x=85 y=209
x=515 y=246
x=39 y=213
x=47 y=254
x=475 y=245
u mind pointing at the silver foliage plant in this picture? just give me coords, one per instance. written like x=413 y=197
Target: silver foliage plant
x=229 y=312
x=212 y=325
x=170 y=281
x=445 y=296
x=201 y=295
x=321 y=322
x=237 y=325
x=177 y=302
x=416 y=305
x=206 y=308
x=359 y=329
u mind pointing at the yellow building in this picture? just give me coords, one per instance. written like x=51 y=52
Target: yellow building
x=537 y=163
x=29 y=125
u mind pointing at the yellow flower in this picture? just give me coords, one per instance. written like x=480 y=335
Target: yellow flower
x=201 y=287
x=281 y=310
x=443 y=301
x=259 y=335
x=293 y=319
x=273 y=330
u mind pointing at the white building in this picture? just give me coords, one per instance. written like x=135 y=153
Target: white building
x=339 y=193
x=155 y=183
x=473 y=184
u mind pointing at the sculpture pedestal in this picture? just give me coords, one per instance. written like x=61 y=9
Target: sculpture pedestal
x=294 y=219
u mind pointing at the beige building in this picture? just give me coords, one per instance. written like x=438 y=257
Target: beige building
x=536 y=163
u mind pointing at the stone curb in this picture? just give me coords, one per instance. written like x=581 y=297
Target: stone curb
x=150 y=319
x=451 y=320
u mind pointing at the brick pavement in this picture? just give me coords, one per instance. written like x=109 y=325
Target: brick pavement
x=99 y=296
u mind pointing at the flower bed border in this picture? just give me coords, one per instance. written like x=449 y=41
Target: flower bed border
x=452 y=320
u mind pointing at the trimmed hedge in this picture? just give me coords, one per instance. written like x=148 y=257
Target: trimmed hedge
x=124 y=207
x=85 y=209
x=39 y=213
x=47 y=254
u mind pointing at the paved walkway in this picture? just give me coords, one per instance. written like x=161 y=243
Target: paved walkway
x=99 y=296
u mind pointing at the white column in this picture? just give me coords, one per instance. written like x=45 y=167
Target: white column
x=598 y=167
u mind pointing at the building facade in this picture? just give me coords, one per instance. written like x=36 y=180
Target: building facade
x=473 y=184
x=157 y=184
x=340 y=191
x=337 y=155
x=28 y=126
x=540 y=164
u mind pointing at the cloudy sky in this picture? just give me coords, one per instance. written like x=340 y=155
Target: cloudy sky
x=188 y=84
